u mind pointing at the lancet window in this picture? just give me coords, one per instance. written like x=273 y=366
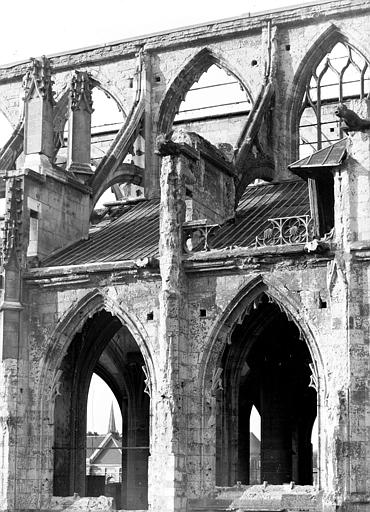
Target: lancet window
x=342 y=75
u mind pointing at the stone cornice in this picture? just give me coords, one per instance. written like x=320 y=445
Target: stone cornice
x=230 y=261
x=70 y=275
x=247 y=259
x=195 y=34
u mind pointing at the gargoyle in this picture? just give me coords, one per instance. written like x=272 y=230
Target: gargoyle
x=350 y=121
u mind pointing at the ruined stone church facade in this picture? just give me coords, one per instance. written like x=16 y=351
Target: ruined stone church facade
x=236 y=276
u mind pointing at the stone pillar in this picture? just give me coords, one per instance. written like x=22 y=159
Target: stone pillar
x=304 y=458
x=276 y=445
x=244 y=470
x=79 y=125
x=167 y=466
x=349 y=287
x=38 y=112
x=13 y=376
x=135 y=448
x=352 y=192
x=11 y=306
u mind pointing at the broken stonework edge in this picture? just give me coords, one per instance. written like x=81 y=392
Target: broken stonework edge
x=203 y=148
x=77 y=504
x=253 y=252
x=278 y=497
x=249 y=264
x=360 y=250
x=109 y=266
x=167 y=147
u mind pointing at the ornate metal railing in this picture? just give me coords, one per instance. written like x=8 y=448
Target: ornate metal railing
x=287 y=231
x=197 y=235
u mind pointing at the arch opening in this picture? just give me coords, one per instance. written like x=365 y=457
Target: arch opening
x=103 y=442
x=267 y=369
x=254 y=446
x=215 y=106
x=342 y=75
x=118 y=466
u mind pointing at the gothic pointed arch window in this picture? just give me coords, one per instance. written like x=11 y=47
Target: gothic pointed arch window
x=216 y=106
x=342 y=75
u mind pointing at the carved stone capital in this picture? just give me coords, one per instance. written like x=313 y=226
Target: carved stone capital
x=38 y=80
x=82 y=85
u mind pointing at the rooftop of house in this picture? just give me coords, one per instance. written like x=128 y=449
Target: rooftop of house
x=104 y=447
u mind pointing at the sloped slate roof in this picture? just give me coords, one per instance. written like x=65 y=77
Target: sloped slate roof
x=258 y=204
x=330 y=156
x=135 y=234
x=109 y=453
x=92 y=443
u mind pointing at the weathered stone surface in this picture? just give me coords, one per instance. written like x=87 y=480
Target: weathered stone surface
x=77 y=504
x=278 y=497
x=191 y=342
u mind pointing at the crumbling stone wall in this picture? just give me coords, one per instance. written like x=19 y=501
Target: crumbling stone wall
x=194 y=301
x=71 y=306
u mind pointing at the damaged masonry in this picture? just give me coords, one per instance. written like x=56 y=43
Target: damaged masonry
x=186 y=215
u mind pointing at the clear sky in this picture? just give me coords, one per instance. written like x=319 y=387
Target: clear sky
x=31 y=28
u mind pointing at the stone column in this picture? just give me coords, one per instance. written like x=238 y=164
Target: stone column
x=276 y=458
x=14 y=444
x=135 y=443
x=38 y=112
x=79 y=125
x=349 y=287
x=244 y=470
x=167 y=466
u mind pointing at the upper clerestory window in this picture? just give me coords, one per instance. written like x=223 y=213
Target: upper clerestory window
x=342 y=75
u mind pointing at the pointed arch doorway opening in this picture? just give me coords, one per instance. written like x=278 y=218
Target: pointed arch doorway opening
x=106 y=347
x=267 y=368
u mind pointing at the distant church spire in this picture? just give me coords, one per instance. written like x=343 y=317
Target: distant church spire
x=112 y=422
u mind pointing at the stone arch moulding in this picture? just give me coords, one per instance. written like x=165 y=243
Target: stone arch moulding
x=74 y=319
x=50 y=374
x=190 y=73
x=330 y=36
x=234 y=313
x=105 y=85
x=123 y=173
